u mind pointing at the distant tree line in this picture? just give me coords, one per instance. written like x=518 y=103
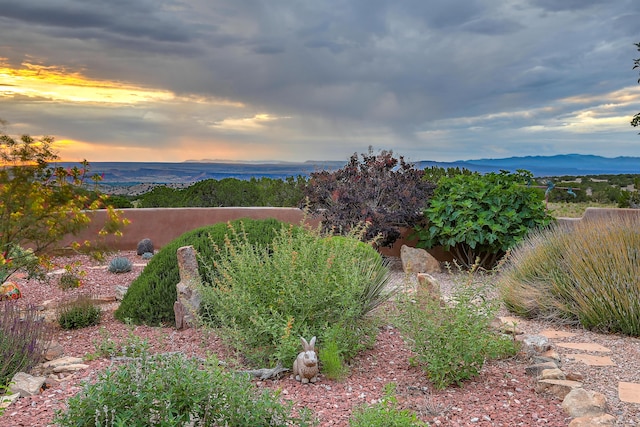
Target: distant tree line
x=228 y=192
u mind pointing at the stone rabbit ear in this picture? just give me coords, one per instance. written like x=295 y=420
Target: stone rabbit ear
x=305 y=344
x=312 y=343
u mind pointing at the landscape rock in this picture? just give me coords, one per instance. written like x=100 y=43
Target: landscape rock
x=188 y=303
x=6 y=401
x=54 y=351
x=584 y=403
x=417 y=260
x=574 y=376
x=428 y=285
x=536 y=370
x=62 y=361
x=604 y=420
x=26 y=385
x=505 y=327
x=70 y=368
x=535 y=344
x=145 y=246
x=543 y=359
x=558 y=388
x=120 y=292
x=552 y=374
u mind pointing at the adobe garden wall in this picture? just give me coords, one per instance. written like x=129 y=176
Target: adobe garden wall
x=162 y=225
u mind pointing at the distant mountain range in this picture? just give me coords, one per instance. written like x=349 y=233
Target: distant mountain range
x=541 y=166
x=129 y=173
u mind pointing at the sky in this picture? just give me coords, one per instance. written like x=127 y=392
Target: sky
x=296 y=80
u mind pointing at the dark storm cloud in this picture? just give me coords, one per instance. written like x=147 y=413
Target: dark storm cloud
x=338 y=68
x=128 y=18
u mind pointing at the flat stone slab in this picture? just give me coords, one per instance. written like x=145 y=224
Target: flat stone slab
x=552 y=333
x=629 y=392
x=592 y=360
x=510 y=319
x=584 y=346
x=558 y=388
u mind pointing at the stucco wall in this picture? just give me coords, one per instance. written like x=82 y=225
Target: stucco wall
x=162 y=225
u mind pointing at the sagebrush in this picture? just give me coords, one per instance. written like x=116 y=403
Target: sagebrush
x=263 y=299
x=169 y=390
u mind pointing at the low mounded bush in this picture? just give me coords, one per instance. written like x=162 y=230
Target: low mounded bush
x=172 y=390
x=585 y=272
x=79 y=313
x=151 y=295
x=23 y=339
x=451 y=341
x=120 y=264
x=304 y=284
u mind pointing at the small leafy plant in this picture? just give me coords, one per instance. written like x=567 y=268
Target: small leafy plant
x=173 y=390
x=452 y=340
x=69 y=280
x=385 y=413
x=120 y=264
x=129 y=346
x=79 y=313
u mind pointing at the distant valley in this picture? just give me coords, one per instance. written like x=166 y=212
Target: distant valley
x=179 y=174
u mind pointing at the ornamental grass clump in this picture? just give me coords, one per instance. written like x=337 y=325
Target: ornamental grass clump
x=24 y=337
x=263 y=299
x=168 y=390
x=452 y=340
x=585 y=272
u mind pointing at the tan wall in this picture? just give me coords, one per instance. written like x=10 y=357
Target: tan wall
x=162 y=225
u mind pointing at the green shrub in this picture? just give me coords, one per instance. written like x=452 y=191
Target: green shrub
x=263 y=300
x=585 y=272
x=151 y=295
x=482 y=216
x=23 y=339
x=79 y=313
x=172 y=390
x=120 y=264
x=452 y=341
x=384 y=413
x=69 y=280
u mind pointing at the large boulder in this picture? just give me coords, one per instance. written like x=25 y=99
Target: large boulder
x=189 y=299
x=417 y=260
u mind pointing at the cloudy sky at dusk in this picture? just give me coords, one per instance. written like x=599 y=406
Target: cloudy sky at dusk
x=171 y=80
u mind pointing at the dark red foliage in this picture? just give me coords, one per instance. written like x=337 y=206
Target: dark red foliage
x=381 y=190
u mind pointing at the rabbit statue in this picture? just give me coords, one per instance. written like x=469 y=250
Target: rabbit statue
x=305 y=367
